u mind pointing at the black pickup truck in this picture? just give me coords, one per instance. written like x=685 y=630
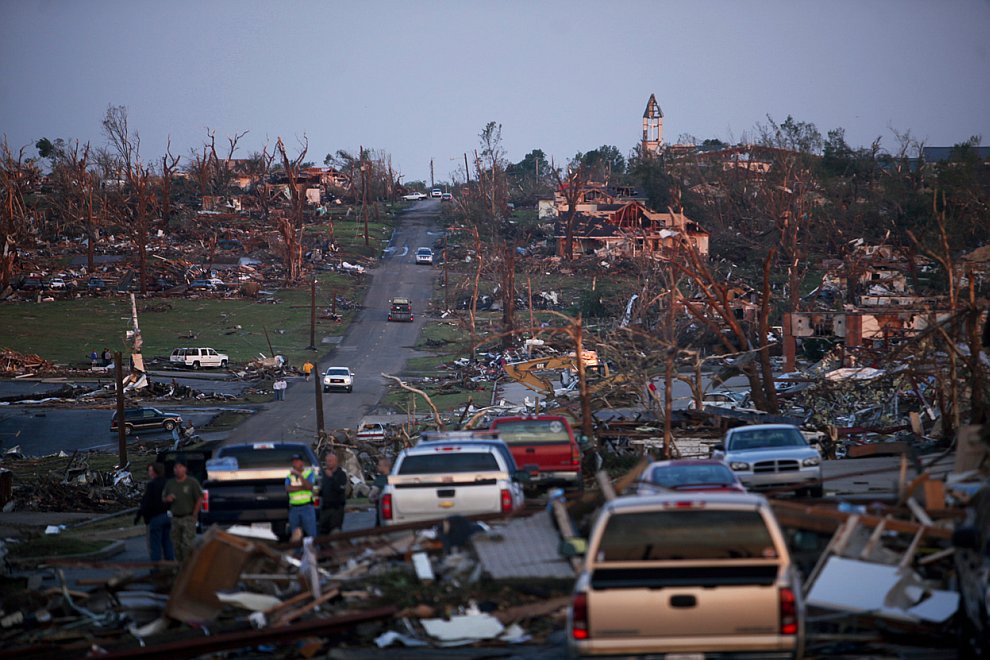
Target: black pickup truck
x=245 y=484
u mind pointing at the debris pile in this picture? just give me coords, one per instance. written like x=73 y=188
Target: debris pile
x=76 y=487
x=412 y=585
x=17 y=364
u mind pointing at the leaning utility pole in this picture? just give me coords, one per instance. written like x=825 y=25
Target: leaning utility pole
x=312 y=316
x=118 y=374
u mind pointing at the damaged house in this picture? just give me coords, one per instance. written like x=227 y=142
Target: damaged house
x=628 y=230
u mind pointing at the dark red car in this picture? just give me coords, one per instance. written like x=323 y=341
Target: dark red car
x=688 y=474
x=546 y=442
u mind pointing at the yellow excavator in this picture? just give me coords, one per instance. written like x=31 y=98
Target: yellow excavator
x=535 y=373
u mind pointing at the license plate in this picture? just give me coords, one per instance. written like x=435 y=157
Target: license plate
x=262 y=525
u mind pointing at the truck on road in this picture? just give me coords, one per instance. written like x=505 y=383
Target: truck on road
x=245 y=484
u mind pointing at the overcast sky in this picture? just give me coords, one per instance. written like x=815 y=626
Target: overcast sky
x=421 y=79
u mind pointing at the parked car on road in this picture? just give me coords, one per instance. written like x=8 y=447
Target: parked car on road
x=424 y=255
x=338 y=378
x=198 y=358
x=145 y=419
x=688 y=474
x=446 y=197
x=445 y=477
x=436 y=192
x=689 y=576
x=245 y=484
x=415 y=196
x=546 y=443
x=772 y=456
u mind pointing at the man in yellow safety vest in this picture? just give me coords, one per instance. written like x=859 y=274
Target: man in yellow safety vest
x=300 y=484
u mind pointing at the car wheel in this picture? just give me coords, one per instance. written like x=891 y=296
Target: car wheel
x=223 y=364
x=128 y=429
x=326 y=389
x=350 y=389
x=169 y=425
x=196 y=364
x=817 y=491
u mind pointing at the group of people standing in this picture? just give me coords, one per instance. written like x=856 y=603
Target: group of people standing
x=170 y=508
x=302 y=485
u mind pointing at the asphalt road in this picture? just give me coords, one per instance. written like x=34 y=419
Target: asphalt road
x=372 y=345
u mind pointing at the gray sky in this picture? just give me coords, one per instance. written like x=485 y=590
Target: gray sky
x=421 y=79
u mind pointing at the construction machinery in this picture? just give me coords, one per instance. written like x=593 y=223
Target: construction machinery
x=536 y=373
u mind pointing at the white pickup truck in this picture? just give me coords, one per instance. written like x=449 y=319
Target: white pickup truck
x=441 y=478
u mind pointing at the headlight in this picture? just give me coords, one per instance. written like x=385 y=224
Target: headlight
x=811 y=462
x=738 y=466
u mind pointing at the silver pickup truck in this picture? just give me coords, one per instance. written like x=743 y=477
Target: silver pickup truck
x=441 y=478
x=687 y=575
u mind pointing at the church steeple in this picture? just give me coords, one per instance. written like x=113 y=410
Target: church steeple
x=652 y=126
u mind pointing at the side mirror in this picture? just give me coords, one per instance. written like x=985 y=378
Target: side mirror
x=572 y=547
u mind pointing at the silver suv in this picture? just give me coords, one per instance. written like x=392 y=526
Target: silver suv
x=772 y=456
x=687 y=575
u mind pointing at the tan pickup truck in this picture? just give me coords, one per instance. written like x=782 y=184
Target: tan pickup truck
x=687 y=575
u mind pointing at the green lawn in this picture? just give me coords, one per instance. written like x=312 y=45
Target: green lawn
x=65 y=331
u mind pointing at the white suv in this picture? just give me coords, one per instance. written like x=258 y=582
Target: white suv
x=338 y=378
x=198 y=358
x=424 y=255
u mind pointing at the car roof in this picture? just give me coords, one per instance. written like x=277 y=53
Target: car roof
x=339 y=368
x=470 y=446
x=763 y=427
x=685 y=461
x=710 y=499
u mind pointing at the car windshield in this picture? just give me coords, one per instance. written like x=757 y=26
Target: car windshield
x=337 y=371
x=765 y=438
x=424 y=251
x=677 y=476
x=532 y=431
x=686 y=534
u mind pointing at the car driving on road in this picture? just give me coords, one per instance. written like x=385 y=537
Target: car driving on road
x=772 y=456
x=436 y=192
x=338 y=378
x=415 y=196
x=424 y=255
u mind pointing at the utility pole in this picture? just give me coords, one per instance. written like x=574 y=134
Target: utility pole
x=312 y=316
x=467 y=172
x=432 y=182
x=364 y=194
x=118 y=374
x=318 y=381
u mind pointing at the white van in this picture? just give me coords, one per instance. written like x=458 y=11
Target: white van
x=198 y=358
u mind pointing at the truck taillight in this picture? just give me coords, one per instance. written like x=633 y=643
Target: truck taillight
x=506 y=501
x=788 y=612
x=579 y=616
x=206 y=502
x=387 y=507
x=575 y=454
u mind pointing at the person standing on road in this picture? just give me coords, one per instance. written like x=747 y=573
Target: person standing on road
x=184 y=496
x=333 y=495
x=300 y=484
x=279 y=388
x=155 y=513
x=308 y=370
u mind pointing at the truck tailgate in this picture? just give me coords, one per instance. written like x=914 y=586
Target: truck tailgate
x=682 y=602
x=424 y=497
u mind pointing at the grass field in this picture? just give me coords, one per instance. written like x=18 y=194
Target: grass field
x=65 y=331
